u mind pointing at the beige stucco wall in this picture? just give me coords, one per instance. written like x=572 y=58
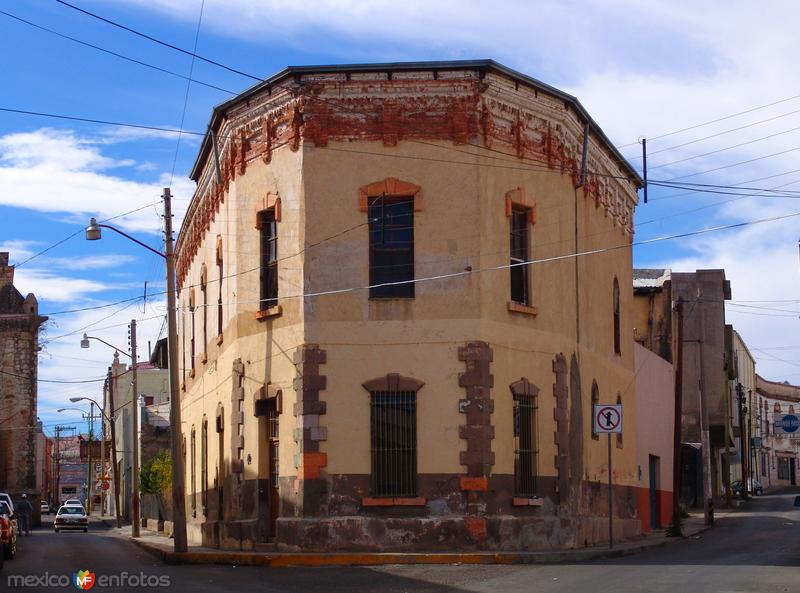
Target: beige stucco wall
x=655 y=418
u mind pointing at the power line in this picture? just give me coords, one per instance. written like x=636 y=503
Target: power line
x=186 y=95
x=713 y=121
x=729 y=166
x=524 y=263
x=99 y=121
x=737 y=129
x=62 y=382
x=115 y=54
x=158 y=41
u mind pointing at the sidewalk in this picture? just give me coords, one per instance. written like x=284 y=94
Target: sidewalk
x=161 y=547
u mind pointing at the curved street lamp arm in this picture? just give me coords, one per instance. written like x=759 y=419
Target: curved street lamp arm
x=134 y=239
x=109 y=345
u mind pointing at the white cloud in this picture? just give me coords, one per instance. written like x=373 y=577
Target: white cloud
x=57 y=172
x=47 y=285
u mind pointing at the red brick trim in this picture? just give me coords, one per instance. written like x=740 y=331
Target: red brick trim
x=476 y=484
x=269 y=202
x=523 y=387
x=219 y=339
x=219 y=249
x=393 y=382
x=389 y=187
x=268 y=312
x=534 y=501
x=417 y=501
x=203 y=276
x=515 y=307
x=517 y=197
x=204 y=358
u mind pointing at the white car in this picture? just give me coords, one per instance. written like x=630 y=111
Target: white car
x=71 y=517
x=7 y=499
x=73 y=502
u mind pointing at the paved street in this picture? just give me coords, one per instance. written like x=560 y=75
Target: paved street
x=756 y=550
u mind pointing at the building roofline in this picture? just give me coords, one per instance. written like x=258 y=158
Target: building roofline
x=483 y=65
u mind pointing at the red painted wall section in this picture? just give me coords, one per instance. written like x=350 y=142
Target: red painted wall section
x=643 y=508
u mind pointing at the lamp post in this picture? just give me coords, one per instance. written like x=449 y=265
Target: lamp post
x=135 y=499
x=105 y=419
x=93 y=233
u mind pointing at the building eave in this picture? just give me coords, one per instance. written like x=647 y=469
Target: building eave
x=485 y=66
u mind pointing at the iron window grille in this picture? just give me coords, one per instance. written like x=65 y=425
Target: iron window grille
x=268 y=228
x=520 y=239
x=525 y=452
x=393 y=420
x=391 y=247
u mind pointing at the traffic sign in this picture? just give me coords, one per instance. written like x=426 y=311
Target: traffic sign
x=607 y=418
x=105 y=486
x=788 y=424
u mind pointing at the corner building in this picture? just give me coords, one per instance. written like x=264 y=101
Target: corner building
x=363 y=364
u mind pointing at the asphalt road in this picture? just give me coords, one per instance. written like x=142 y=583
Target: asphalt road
x=755 y=550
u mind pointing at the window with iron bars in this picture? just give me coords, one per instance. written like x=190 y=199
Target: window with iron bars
x=520 y=284
x=391 y=246
x=268 y=228
x=394 y=443
x=525 y=453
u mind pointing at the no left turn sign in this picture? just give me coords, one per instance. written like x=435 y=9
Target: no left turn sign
x=607 y=418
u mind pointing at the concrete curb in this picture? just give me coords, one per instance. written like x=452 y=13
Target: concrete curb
x=309 y=559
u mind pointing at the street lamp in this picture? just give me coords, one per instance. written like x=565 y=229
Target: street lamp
x=135 y=498
x=93 y=233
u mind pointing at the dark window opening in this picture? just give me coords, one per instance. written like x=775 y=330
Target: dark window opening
x=617 y=346
x=520 y=285
x=269 y=258
x=204 y=466
x=193 y=476
x=391 y=247
x=525 y=445
x=191 y=341
x=219 y=300
x=394 y=443
x=595 y=401
x=204 y=290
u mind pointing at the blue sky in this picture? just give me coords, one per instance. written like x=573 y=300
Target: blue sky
x=641 y=68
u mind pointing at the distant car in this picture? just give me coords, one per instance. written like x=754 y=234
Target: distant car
x=757 y=488
x=45 y=508
x=71 y=517
x=8 y=532
x=4 y=497
x=73 y=502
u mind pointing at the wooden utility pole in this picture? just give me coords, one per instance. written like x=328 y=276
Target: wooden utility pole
x=113 y=418
x=676 y=434
x=90 y=473
x=178 y=470
x=136 y=521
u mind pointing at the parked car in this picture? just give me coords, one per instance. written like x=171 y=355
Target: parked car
x=757 y=488
x=73 y=502
x=45 y=508
x=71 y=517
x=4 y=497
x=8 y=532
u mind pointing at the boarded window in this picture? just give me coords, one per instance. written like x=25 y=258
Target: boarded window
x=394 y=443
x=520 y=239
x=525 y=453
x=391 y=247
x=269 y=258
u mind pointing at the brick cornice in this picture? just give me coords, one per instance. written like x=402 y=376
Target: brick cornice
x=393 y=382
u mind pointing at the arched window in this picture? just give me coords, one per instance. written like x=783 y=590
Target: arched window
x=393 y=435
x=595 y=401
x=525 y=435
x=192 y=474
x=204 y=465
x=617 y=345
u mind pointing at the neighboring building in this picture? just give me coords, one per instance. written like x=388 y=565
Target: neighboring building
x=707 y=362
x=655 y=423
x=44 y=461
x=19 y=351
x=446 y=413
x=780 y=449
x=743 y=410
x=71 y=470
x=153 y=388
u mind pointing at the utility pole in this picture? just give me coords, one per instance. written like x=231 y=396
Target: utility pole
x=115 y=469
x=102 y=461
x=742 y=438
x=705 y=436
x=676 y=434
x=178 y=471
x=89 y=469
x=135 y=514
